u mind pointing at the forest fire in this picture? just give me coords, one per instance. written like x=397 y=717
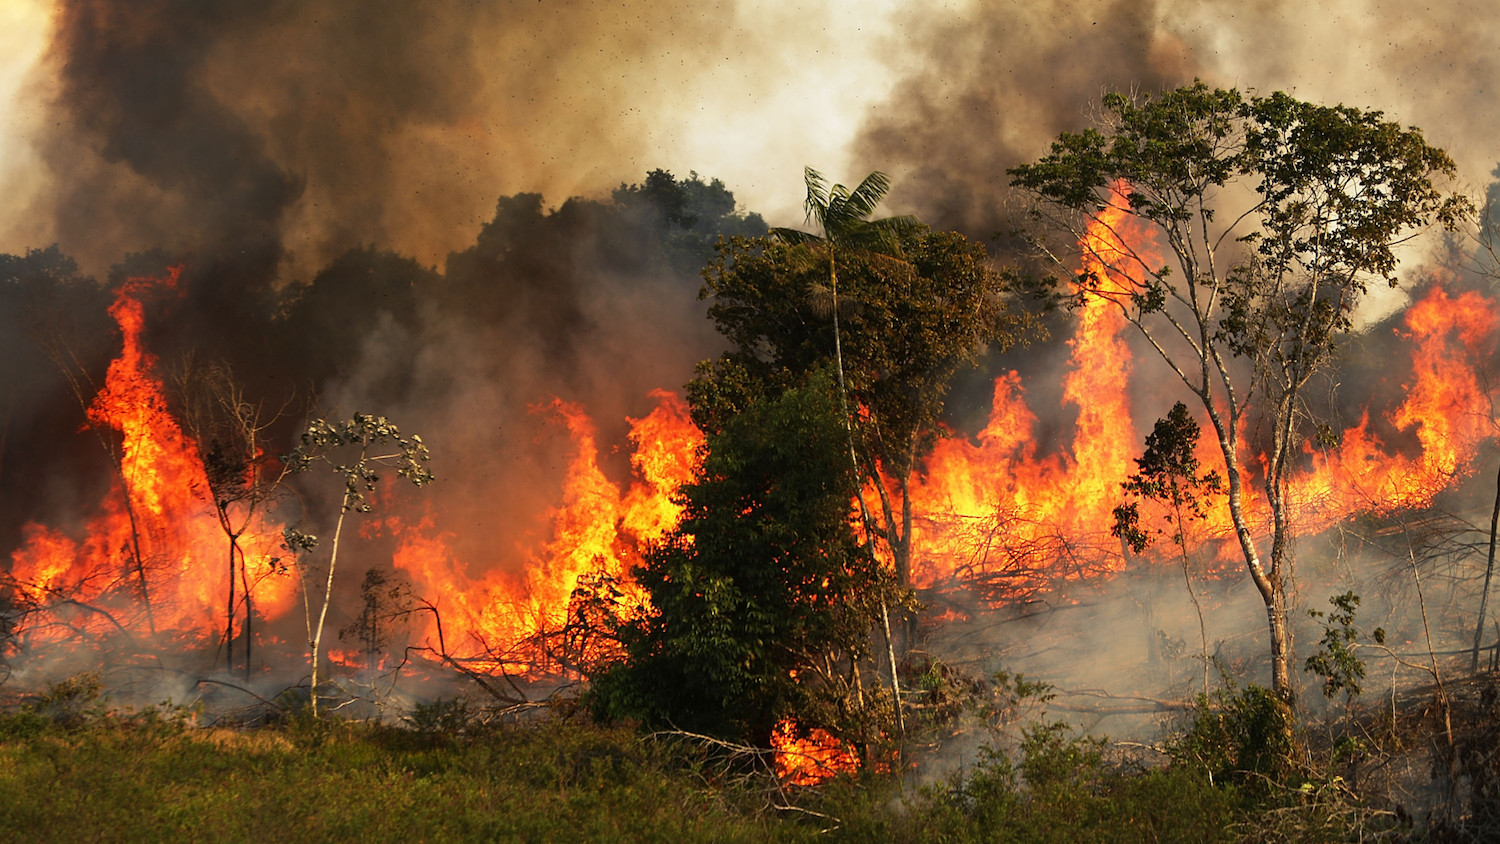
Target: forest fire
x=156 y=535
x=810 y=759
x=991 y=510
x=598 y=532
x=995 y=514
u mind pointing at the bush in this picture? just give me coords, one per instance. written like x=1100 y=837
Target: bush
x=1243 y=737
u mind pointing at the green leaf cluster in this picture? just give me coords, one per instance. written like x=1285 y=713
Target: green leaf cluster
x=907 y=327
x=1333 y=191
x=326 y=441
x=763 y=596
x=1169 y=472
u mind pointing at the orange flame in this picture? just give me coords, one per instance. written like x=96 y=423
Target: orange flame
x=995 y=509
x=991 y=511
x=810 y=759
x=598 y=530
x=162 y=522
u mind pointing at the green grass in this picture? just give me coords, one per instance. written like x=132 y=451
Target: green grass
x=103 y=777
x=146 y=781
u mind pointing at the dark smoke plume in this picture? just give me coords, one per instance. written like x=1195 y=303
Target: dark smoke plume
x=996 y=87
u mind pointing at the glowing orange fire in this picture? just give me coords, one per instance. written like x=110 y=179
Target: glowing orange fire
x=994 y=505
x=990 y=508
x=598 y=531
x=810 y=759
x=156 y=536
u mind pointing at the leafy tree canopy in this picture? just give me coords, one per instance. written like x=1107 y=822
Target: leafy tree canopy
x=1273 y=215
x=761 y=585
x=906 y=325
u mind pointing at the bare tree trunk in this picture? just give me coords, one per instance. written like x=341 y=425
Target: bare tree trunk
x=229 y=615
x=1281 y=679
x=135 y=550
x=1489 y=572
x=838 y=357
x=1187 y=580
x=249 y=611
x=317 y=639
x=890 y=652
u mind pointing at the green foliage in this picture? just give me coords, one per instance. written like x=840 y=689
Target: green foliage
x=1335 y=660
x=894 y=308
x=907 y=327
x=445 y=716
x=147 y=777
x=689 y=215
x=760 y=586
x=1060 y=788
x=1053 y=758
x=1168 y=472
x=1241 y=736
x=1335 y=189
x=74 y=701
x=355 y=449
x=843 y=216
x=339 y=781
x=1317 y=171
x=1275 y=216
x=332 y=442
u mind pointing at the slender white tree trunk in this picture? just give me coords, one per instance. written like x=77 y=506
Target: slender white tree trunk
x=317 y=638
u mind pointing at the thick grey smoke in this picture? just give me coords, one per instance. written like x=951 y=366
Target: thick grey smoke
x=984 y=88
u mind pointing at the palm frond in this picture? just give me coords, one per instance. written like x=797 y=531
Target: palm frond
x=863 y=201
x=816 y=204
x=794 y=237
x=883 y=235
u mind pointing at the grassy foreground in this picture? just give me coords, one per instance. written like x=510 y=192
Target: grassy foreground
x=150 y=778
x=71 y=770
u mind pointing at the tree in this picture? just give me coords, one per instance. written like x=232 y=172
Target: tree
x=367 y=443
x=387 y=602
x=844 y=217
x=1168 y=472
x=1487 y=255
x=230 y=431
x=1275 y=215
x=762 y=599
x=687 y=216
x=916 y=306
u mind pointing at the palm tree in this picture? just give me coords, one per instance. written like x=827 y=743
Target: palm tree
x=844 y=217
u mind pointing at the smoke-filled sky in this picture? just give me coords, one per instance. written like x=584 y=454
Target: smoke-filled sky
x=324 y=125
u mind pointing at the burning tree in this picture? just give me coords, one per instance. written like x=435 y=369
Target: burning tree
x=229 y=432
x=367 y=443
x=1277 y=214
x=1168 y=473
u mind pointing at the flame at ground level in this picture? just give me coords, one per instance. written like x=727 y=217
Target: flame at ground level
x=809 y=759
x=155 y=555
x=992 y=513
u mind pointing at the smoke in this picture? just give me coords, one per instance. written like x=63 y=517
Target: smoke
x=996 y=87
x=329 y=172
x=984 y=89
x=302 y=130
